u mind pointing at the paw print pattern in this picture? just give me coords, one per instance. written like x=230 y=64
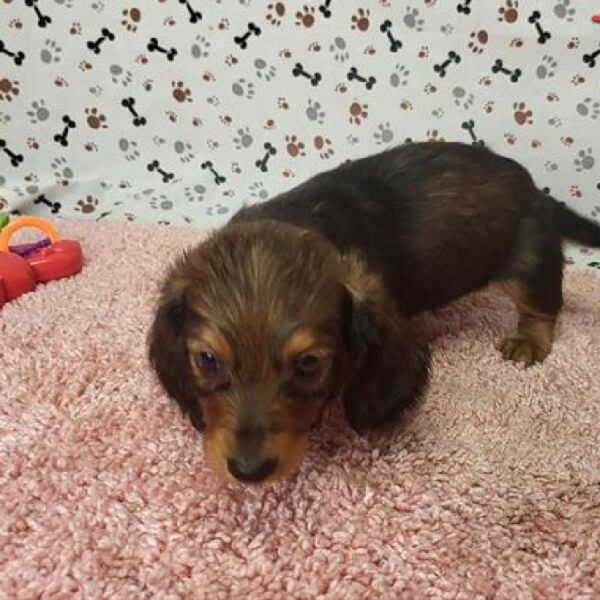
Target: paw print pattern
x=200 y=48
x=243 y=139
x=361 y=19
x=339 y=49
x=358 y=113
x=588 y=108
x=585 y=160
x=462 y=98
x=521 y=114
x=293 y=146
x=564 y=10
x=412 y=19
x=258 y=190
x=264 y=70
x=62 y=171
x=9 y=89
x=184 y=151
x=119 y=75
x=87 y=205
x=384 y=134
x=180 y=92
x=38 y=112
x=243 y=89
x=195 y=193
x=129 y=148
x=131 y=19
x=314 y=111
x=547 y=68
x=509 y=12
x=323 y=147
x=478 y=41
x=399 y=76
x=306 y=16
x=95 y=119
x=51 y=52
x=275 y=14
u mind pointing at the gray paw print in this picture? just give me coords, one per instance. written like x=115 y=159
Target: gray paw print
x=461 y=98
x=129 y=148
x=96 y=90
x=243 y=139
x=588 y=108
x=200 y=48
x=98 y=6
x=243 y=88
x=384 y=134
x=339 y=49
x=352 y=139
x=51 y=52
x=65 y=3
x=400 y=76
x=38 y=113
x=411 y=19
x=120 y=75
x=554 y=122
x=596 y=212
x=195 y=193
x=551 y=166
x=584 y=161
x=546 y=69
x=161 y=201
x=438 y=113
x=62 y=171
x=257 y=190
x=184 y=151
x=214 y=100
x=564 y=10
x=263 y=70
x=4 y=118
x=447 y=29
x=314 y=112
x=218 y=209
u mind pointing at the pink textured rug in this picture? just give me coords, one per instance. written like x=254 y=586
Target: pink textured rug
x=491 y=491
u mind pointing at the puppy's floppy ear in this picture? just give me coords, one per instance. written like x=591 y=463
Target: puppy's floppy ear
x=390 y=359
x=168 y=351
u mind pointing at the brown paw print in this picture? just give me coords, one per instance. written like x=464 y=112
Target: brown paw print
x=516 y=43
x=578 y=79
x=180 y=92
x=342 y=88
x=433 y=135
x=84 y=65
x=131 y=18
x=269 y=124
x=510 y=138
x=576 y=191
x=509 y=13
x=282 y=103
x=522 y=114
x=87 y=206
x=552 y=97
x=567 y=141
x=8 y=89
x=148 y=85
x=208 y=76
x=75 y=28
x=406 y=105
x=16 y=24
x=33 y=143
x=94 y=119
x=314 y=47
x=360 y=19
x=323 y=146
x=90 y=147
x=485 y=81
x=536 y=144
x=276 y=13
x=306 y=16
x=61 y=82
x=489 y=106
x=286 y=53
x=293 y=146
x=478 y=40
x=430 y=89
x=358 y=113
x=573 y=43
x=224 y=24
x=172 y=116
x=423 y=52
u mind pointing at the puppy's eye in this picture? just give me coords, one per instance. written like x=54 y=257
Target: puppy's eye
x=209 y=363
x=308 y=364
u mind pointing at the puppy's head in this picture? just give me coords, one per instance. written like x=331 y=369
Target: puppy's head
x=256 y=329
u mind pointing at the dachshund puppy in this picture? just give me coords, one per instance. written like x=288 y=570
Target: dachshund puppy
x=309 y=295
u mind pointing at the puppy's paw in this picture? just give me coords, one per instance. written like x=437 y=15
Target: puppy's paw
x=521 y=349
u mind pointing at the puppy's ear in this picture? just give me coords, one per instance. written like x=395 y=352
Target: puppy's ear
x=390 y=359
x=168 y=351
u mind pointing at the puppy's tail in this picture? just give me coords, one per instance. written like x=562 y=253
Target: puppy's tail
x=574 y=227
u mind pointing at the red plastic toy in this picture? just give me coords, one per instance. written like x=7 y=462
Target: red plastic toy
x=23 y=267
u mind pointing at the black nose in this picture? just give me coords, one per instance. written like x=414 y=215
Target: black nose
x=251 y=469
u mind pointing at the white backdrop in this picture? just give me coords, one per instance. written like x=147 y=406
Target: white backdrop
x=226 y=85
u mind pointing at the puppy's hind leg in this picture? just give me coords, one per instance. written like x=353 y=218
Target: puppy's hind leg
x=534 y=282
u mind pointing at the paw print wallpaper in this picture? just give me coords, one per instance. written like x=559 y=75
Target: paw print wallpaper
x=180 y=111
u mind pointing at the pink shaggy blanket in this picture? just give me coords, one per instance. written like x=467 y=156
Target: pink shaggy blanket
x=492 y=490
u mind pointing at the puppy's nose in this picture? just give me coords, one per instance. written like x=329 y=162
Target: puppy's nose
x=251 y=469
